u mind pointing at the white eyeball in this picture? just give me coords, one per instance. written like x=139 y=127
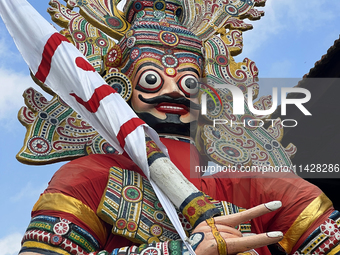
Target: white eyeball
x=189 y=85
x=150 y=81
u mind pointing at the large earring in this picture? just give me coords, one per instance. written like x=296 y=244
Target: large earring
x=121 y=83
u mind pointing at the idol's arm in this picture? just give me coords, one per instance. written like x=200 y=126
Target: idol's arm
x=203 y=240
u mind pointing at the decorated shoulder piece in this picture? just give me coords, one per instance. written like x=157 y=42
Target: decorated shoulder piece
x=128 y=204
x=128 y=192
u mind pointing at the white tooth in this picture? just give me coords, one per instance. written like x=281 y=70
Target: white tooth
x=275 y=234
x=273 y=205
x=171 y=107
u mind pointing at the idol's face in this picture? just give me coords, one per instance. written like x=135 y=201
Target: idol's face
x=164 y=97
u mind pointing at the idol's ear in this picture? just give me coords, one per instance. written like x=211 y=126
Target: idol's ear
x=120 y=82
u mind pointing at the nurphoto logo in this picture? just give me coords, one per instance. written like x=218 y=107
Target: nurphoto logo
x=239 y=102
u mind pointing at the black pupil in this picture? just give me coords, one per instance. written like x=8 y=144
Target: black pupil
x=151 y=79
x=191 y=83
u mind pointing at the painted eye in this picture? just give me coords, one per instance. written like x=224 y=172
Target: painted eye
x=150 y=81
x=189 y=85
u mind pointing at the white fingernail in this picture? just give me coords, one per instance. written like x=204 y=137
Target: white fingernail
x=274 y=205
x=275 y=234
x=248 y=234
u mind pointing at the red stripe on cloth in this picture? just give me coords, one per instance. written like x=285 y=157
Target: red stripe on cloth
x=127 y=128
x=99 y=93
x=83 y=64
x=50 y=47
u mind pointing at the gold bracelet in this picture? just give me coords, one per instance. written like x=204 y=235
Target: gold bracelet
x=221 y=244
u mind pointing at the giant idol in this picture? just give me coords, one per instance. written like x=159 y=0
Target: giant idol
x=165 y=56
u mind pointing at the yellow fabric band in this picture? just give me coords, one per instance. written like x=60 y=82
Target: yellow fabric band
x=62 y=203
x=196 y=208
x=334 y=250
x=221 y=244
x=33 y=244
x=306 y=218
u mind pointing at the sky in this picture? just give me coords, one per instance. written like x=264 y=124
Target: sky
x=285 y=43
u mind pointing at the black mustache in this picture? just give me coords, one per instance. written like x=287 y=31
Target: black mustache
x=168 y=99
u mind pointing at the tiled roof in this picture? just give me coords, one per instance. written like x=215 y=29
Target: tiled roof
x=321 y=64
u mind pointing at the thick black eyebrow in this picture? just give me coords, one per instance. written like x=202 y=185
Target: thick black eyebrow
x=149 y=64
x=190 y=69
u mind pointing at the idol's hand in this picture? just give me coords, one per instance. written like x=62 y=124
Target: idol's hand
x=219 y=236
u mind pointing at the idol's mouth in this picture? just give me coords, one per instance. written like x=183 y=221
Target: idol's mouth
x=172 y=108
x=165 y=100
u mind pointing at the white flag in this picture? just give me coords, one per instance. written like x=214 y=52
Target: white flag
x=58 y=64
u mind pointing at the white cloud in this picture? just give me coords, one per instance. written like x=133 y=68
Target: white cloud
x=3 y=46
x=28 y=192
x=10 y=245
x=280 y=69
x=14 y=79
x=264 y=28
x=12 y=86
x=306 y=15
x=287 y=17
x=8 y=52
x=12 y=82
